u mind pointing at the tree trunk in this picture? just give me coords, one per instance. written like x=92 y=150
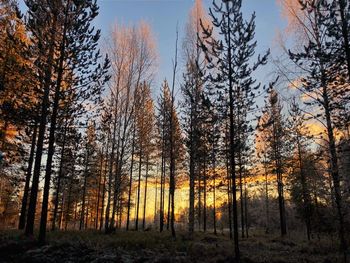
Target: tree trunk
x=103 y=196
x=99 y=192
x=205 y=195
x=199 y=201
x=306 y=197
x=51 y=147
x=162 y=176
x=172 y=146
x=232 y=147
x=172 y=218
x=241 y=191
x=104 y=184
x=116 y=180
x=161 y=206
x=229 y=197
x=22 y=217
x=246 y=205
x=41 y=135
x=138 y=190
x=130 y=180
x=156 y=199
x=145 y=198
x=75 y=214
x=278 y=166
x=107 y=223
x=168 y=214
x=66 y=217
x=214 y=201
x=86 y=222
x=192 y=186
x=59 y=178
x=82 y=212
x=267 y=228
x=61 y=212
x=335 y=172
x=110 y=172
x=214 y=179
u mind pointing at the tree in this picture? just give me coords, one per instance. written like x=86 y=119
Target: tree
x=173 y=124
x=134 y=58
x=231 y=56
x=192 y=94
x=43 y=25
x=166 y=112
x=192 y=90
x=213 y=138
x=162 y=123
x=144 y=119
x=299 y=138
x=88 y=82
x=320 y=84
x=17 y=91
x=339 y=32
x=54 y=27
x=273 y=125
x=89 y=172
x=18 y=98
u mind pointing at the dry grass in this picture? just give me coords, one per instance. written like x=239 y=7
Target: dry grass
x=151 y=246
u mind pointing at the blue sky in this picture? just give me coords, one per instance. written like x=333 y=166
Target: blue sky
x=163 y=16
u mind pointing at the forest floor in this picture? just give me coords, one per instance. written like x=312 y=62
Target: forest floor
x=151 y=246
